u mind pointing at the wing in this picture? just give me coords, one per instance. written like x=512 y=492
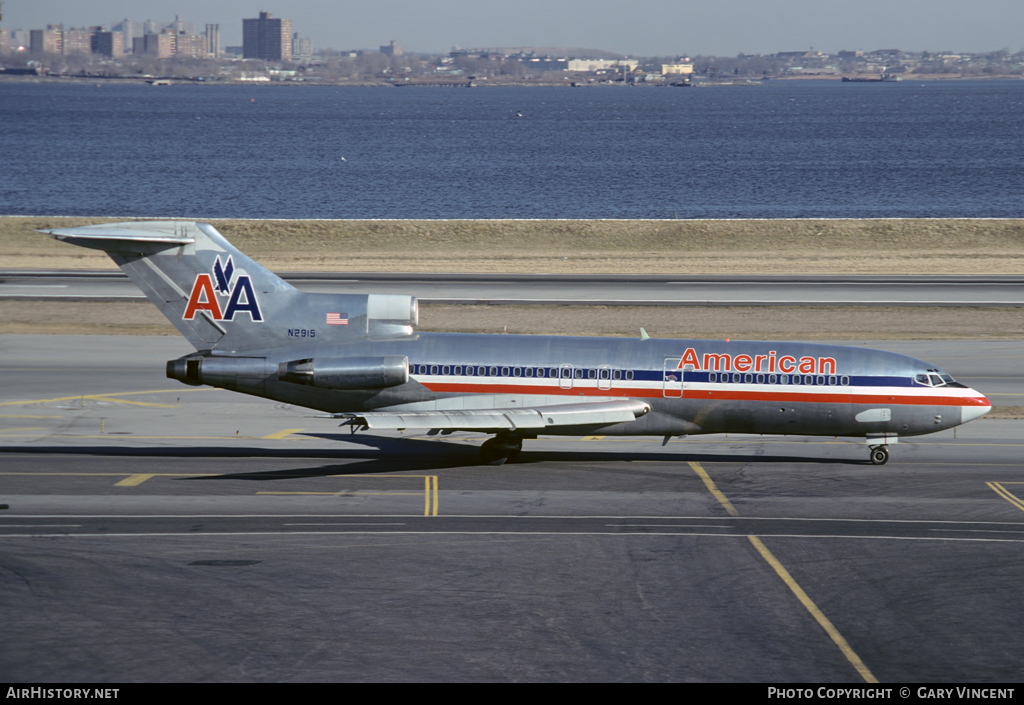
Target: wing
x=535 y=419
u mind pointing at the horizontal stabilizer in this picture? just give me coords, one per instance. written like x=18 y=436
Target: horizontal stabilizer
x=157 y=233
x=499 y=420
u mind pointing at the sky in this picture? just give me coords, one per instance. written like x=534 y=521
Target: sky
x=636 y=27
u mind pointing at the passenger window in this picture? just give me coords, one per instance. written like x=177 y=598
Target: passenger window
x=712 y=377
x=796 y=379
x=629 y=374
x=821 y=379
x=458 y=369
x=772 y=379
x=784 y=379
x=832 y=380
x=447 y=370
x=737 y=377
x=591 y=374
x=504 y=372
x=433 y=369
x=518 y=371
x=748 y=378
x=760 y=379
x=846 y=381
x=579 y=374
x=554 y=373
x=617 y=374
x=529 y=372
x=605 y=374
x=808 y=379
x=493 y=372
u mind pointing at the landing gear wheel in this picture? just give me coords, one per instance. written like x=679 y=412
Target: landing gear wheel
x=880 y=455
x=498 y=450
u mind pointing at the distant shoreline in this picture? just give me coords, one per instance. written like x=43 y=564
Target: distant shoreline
x=577 y=82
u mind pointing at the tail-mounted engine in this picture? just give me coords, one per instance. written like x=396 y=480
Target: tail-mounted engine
x=347 y=372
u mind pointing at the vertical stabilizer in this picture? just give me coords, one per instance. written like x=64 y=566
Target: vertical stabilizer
x=215 y=295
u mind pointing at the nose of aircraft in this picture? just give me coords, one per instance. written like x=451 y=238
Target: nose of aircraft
x=975 y=405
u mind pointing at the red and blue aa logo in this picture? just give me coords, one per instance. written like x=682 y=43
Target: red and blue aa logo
x=240 y=295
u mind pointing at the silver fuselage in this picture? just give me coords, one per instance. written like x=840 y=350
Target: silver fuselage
x=693 y=386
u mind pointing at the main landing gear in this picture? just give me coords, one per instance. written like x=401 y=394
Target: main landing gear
x=879 y=455
x=499 y=449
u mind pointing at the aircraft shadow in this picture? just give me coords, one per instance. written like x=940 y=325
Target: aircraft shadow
x=391 y=455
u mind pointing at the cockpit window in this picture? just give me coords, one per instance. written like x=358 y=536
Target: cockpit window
x=935 y=378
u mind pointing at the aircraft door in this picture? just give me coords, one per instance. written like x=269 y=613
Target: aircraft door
x=672 y=385
x=604 y=377
x=565 y=377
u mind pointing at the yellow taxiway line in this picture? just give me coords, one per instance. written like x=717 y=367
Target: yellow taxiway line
x=108 y=397
x=1010 y=497
x=794 y=587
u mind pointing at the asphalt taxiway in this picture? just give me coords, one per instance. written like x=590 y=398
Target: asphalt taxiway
x=155 y=531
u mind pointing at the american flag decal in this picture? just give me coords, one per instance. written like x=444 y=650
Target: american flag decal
x=337 y=319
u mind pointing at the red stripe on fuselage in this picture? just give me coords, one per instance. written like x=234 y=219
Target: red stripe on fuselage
x=707 y=394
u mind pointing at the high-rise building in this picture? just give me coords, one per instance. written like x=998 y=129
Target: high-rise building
x=302 y=46
x=180 y=26
x=129 y=30
x=191 y=45
x=47 y=41
x=162 y=46
x=267 y=38
x=108 y=44
x=213 y=40
x=77 y=40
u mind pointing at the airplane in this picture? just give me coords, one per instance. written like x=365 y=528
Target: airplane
x=357 y=358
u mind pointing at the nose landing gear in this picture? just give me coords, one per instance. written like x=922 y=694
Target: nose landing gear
x=879 y=455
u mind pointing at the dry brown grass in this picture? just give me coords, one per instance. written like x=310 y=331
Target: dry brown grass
x=902 y=246
x=756 y=323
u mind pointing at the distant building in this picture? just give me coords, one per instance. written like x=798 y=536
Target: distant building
x=161 y=46
x=180 y=26
x=589 y=65
x=392 y=49
x=302 y=46
x=18 y=40
x=77 y=40
x=108 y=43
x=267 y=38
x=213 y=40
x=47 y=41
x=192 y=46
x=681 y=69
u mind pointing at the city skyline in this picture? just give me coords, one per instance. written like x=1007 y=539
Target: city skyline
x=644 y=28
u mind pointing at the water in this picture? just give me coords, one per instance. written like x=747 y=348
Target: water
x=782 y=149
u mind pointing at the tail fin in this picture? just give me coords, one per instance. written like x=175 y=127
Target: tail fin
x=222 y=300
x=214 y=294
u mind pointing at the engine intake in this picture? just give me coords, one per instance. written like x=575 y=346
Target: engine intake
x=347 y=372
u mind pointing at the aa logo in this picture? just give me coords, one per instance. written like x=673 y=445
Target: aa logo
x=240 y=295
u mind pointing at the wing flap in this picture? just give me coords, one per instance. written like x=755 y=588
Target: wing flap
x=498 y=420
